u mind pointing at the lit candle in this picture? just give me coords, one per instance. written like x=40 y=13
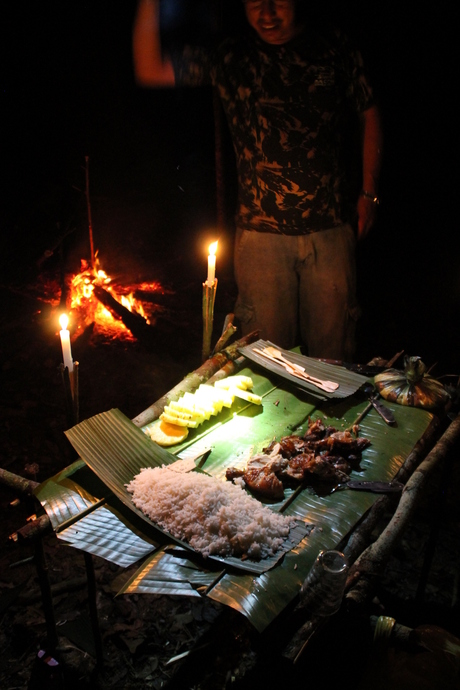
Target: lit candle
x=212 y=264
x=65 y=342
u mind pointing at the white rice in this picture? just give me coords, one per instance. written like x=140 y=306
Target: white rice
x=214 y=517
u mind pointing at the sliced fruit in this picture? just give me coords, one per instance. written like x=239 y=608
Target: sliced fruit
x=171 y=419
x=166 y=434
x=247 y=395
x=237 y=381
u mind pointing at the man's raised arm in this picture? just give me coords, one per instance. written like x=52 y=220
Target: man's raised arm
x=151 y=68
x=371 y=151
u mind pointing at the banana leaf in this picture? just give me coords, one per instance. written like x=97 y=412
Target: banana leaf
x=116 y=450
x=348 y=381
x=232 y=437
x=333 y=515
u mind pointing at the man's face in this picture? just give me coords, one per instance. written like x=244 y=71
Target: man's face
x=273 y=20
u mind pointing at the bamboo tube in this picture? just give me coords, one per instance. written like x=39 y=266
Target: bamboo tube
x=209 y=298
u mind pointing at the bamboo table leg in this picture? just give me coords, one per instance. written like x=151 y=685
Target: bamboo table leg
x=93 y=607
x=47 y=598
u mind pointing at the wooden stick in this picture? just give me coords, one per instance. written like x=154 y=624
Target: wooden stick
x=361 y=536
x=88 y=206
x=35 y=528
x=230 y=368
x=360 y=539
x=17 y=483
x=228 y=330
x=195 y=378
x=373 y=560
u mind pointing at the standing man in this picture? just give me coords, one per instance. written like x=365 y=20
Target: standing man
x=287 y=91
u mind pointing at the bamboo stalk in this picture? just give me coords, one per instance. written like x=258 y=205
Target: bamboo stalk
x=209 y=298
x=47 y=597
x=195 y=378
x=70 y=381
x=34 y=595
x=230 y=368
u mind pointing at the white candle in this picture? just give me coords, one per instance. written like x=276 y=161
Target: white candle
x=211 y=264
x=65 y=342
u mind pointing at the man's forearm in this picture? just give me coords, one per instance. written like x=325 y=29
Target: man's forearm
x=372 y=149
x=150 y=67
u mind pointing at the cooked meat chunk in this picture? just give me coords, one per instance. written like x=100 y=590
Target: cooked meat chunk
x=342 y=442
x=263 y=480
x=233 y=473
x=300 y=466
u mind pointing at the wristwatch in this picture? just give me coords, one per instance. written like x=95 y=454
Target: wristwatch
x=375 y=200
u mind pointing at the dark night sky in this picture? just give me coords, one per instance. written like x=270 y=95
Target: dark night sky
x=68 y=91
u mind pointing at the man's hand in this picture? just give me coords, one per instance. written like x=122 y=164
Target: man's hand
x=367 y=213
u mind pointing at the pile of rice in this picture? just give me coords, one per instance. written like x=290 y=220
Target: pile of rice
x=214 y=517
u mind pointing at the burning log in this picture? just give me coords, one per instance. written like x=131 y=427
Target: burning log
x=133 y=321
x=209 y=368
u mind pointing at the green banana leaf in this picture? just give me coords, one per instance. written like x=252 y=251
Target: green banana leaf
x=232 y=437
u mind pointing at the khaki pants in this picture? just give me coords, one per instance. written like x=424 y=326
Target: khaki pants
x=299 y=288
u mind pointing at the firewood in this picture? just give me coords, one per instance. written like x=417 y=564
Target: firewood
x=134 y=322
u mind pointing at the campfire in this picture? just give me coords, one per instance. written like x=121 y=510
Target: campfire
x=117 y=311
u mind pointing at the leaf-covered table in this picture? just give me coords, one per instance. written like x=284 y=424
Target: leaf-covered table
x=90 y=508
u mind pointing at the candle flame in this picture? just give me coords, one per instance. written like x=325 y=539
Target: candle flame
x=213 y=248
x=64 y=321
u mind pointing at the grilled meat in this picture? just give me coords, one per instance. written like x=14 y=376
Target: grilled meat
x=263 y=481
x=323 y=454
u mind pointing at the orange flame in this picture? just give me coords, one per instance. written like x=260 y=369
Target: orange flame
x=88 y=309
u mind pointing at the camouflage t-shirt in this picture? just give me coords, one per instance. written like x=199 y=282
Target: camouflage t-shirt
x=286 y=107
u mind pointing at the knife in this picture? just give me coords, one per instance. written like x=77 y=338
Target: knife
x=375 y=487
x=385 y=413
